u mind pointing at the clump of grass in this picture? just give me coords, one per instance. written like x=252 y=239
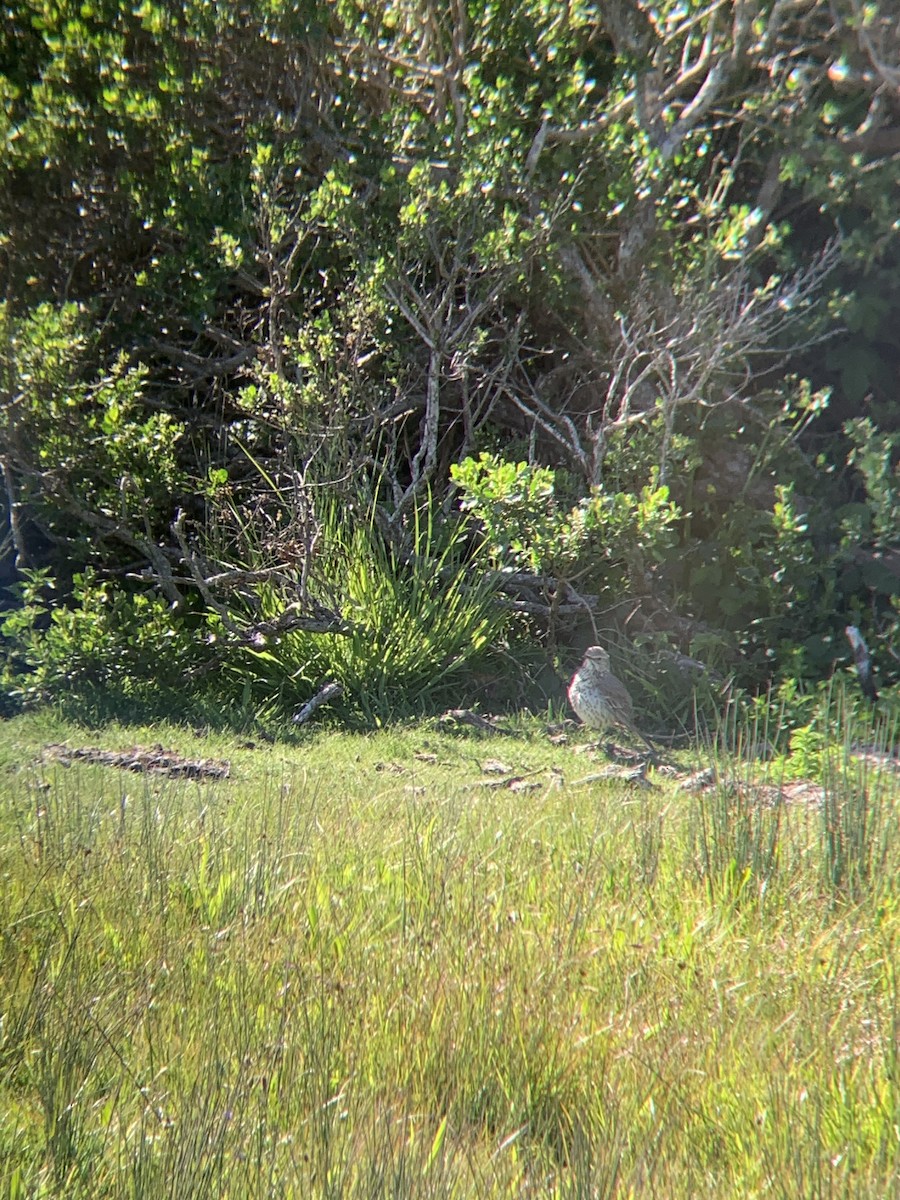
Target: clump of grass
x=856 y=810
x=417 y=620
x=353 y=970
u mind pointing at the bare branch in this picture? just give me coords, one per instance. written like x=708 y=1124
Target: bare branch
x=330 y=691
x=292 y=617
x=888 y=34
x=15 y=510
x=691 y=346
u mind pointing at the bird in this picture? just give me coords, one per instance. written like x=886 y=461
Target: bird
x=599 y=698
x=863 y=661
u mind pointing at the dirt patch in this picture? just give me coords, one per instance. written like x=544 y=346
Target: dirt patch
x=156 y=761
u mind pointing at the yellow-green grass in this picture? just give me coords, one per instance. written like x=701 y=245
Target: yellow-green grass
x=357 y=969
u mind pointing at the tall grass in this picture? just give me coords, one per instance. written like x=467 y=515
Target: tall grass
x=417 y=620
x=352 y=971
x=845 y=755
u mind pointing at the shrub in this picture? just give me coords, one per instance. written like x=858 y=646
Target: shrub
x=528 y=522
x=415 y=622
x=106 y=645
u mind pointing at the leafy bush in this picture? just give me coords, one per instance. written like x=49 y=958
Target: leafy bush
x=528 y=524
x=128 y=648
x=84 y=459
x=869 y=542
x=414 y=623
x=352 y=232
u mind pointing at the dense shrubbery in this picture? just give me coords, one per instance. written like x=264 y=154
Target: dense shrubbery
x=619 y=279
x=122 y=652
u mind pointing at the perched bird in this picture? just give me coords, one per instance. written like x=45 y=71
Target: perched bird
x=599 y=698
x=863 y=661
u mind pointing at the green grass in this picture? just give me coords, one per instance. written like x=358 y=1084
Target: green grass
x=354 y=970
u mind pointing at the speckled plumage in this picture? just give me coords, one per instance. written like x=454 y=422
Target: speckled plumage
x=599 y=698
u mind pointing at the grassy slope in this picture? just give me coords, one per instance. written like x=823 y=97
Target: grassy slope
x=353 y=970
